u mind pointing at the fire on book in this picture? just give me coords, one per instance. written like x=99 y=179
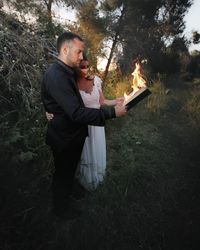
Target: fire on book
x=139 y=87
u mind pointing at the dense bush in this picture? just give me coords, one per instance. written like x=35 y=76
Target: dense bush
x=22 y=123
x=21 y=65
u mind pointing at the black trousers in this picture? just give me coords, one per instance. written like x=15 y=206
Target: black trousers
x=65 y=163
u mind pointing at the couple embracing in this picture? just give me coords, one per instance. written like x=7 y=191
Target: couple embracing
x=67 y=131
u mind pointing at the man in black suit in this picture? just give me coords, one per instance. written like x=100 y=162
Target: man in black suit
x=67 y=130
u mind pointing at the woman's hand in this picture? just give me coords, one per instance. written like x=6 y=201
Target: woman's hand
x=101 y=98
x=49 y=116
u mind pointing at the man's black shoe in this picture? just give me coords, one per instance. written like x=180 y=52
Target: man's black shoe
x=78 y=193
x=67 y=210
x=68 y=214
x=77 y=196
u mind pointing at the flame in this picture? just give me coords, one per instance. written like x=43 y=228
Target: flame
x=138 y=81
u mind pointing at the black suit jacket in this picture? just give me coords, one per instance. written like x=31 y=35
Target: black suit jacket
x=60 y=96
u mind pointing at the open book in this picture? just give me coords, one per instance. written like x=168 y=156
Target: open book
x=133 y=98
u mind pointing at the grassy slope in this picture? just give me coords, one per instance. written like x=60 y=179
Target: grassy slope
x=149 y=199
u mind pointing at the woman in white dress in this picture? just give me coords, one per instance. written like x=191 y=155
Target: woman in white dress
x=92 y=166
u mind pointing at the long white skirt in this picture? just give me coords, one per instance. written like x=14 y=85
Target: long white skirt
x=92 y=166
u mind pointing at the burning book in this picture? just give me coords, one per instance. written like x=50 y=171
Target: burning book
x=140 y=89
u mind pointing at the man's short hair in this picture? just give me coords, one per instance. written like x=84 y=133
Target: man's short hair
x=66 y=37
x=85 y=56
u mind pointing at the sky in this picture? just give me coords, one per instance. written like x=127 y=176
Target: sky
x=192 y=20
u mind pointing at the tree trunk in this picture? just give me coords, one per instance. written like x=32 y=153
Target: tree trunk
x=110 y=57
x=115 y=40
x=49 y=9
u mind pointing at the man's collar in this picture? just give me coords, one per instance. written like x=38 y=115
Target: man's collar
x=65 y=66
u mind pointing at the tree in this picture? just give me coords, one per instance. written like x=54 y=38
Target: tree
x=114 y=23
x=41 y=10
x=147 y=27
x=91 y=26
x=194 y=65
x=195 y=37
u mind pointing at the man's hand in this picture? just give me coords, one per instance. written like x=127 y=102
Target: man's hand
x=120 y=110
x=49 y=116
x=120 y=100
x=89 y=84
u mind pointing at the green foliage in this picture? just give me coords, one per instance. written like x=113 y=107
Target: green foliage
x=157 y=103
x=91 y=27
x=193 y=67
x=192 y=106
x=145 y=28
x=115 y=86
x=195 y=37
x=22 y=123
x=42 y=12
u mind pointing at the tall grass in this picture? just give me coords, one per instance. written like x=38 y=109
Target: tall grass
x=157 y=103
x=148 y=199
x=192 y=107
